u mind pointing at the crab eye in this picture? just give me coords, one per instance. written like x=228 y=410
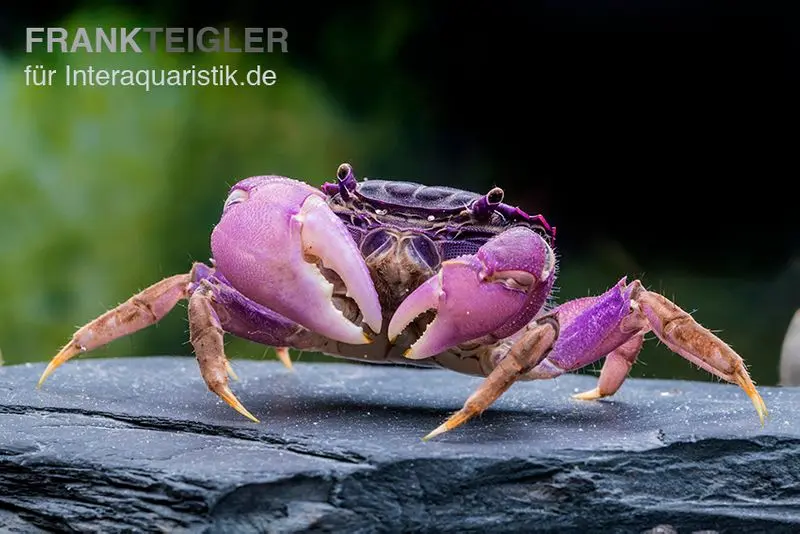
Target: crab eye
x=344 y=171
x=495 y=196
x=236 y=196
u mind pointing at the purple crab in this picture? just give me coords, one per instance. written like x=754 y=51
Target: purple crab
x=398 y=272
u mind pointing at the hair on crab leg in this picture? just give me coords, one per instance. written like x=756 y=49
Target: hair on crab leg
x=140 y=311
x=688 y=338
x=206 y=335
x=523 y=356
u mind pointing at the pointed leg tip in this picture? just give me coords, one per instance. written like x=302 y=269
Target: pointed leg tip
x=67 y=353
x=458 y=419
x=251 y=417
x=744 y=381
x=245 y=412
x=48 y=371
x=42 y=380
x=283 y=356
x=592 y=394
x=441 y=429
x=761 y=408
x=227 y=395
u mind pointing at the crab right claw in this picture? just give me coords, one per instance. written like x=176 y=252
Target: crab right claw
x=493 y=293
x=275 y=239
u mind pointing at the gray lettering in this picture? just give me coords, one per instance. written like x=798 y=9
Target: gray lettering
x=81 y=40
x=253 y=37
x=127 y=40
x=52 y=39
x=277 y=35
x=153 y=33
x=208 y=45
x=174 y=38
x=30 y=38
x=102 y=37
x=227 y=40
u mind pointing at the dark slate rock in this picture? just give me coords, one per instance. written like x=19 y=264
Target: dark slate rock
x=140 y=445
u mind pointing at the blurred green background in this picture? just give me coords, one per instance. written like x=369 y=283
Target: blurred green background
x=106 y=190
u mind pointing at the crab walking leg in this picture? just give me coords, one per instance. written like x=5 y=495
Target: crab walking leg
x=615 y=369
x=206 y=336
x=141 y=310
x=283 y=356
x=523 y=355
x=681 y=333
x=609 y=324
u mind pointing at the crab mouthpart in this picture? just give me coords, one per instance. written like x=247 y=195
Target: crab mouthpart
x=325 y=239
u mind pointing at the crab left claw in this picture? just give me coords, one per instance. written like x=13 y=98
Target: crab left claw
x=275 y=238
x=492 y=293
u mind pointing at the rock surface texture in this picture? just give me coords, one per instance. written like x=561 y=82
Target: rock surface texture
x=140 y=445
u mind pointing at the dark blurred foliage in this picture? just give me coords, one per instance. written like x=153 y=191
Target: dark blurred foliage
x=659 y=137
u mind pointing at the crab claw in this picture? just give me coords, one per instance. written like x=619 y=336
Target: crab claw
x=494 y=292
x=273 y=236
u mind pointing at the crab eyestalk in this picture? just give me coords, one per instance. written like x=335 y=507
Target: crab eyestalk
x=270 y=246
x=484 y=206
x=493 y=293
x=345 y=182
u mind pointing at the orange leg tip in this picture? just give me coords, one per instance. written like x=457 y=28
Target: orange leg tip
x=456 y=420
x=64 y=354
x=744 y=381
x=227 y=395
x=592 y=394
x=284 y=357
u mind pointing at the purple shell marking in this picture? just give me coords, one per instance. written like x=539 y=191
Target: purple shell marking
x=449 y=214
x=413 y=197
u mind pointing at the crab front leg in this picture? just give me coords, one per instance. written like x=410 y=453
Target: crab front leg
x=214 y=308
x=614 y=324
x=528 y=351
x=481 y=299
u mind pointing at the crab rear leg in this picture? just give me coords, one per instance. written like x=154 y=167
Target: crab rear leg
x=614 y=324
x=615 y=369
x=530 y=349
x=140 y=311
x=681 y=333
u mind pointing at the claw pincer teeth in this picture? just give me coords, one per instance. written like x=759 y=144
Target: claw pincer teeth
x=426 y=297
x=492 y=293
x=272 y=246
x=467 y=307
